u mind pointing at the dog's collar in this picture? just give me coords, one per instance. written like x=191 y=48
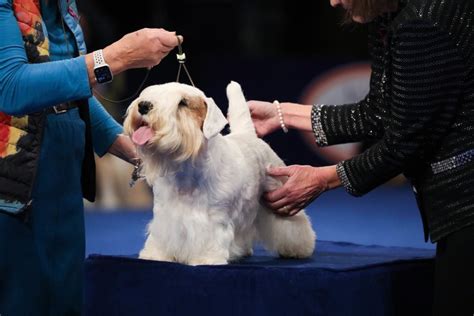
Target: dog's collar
x=136 y=175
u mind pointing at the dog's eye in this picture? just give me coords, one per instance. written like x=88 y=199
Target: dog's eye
x=183 y=102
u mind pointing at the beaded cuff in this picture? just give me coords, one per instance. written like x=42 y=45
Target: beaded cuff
x=341 y=173
x=317 y=126
x=453 y=162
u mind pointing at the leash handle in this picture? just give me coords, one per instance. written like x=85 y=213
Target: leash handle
x=181 y=57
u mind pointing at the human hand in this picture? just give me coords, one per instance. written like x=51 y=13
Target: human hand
x=304 y=185
x=264 y=117
x=144 y=48
x=124 y=148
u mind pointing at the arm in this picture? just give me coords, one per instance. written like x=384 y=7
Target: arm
x=427 y=82
x=107 y=134
x=124 y=148
x=140 y=49
x=421 y=114
x=27 y=88
x=331 y=124
x=338 y=124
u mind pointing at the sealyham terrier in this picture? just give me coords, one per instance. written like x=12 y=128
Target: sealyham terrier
x=207 y=186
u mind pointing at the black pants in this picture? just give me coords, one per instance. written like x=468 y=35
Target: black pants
x=454 y=274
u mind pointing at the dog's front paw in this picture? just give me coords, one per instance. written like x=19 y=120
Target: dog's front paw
x=151 y=252
x=207 y=261
x=149 y=256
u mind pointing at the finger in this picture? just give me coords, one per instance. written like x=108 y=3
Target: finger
x=251 y=107
x=281 y=212
x=178 y=39
x=294 y=211
x=164 y=53
x=169 y=39
x=274 y=210
x=275 y=195
x=278 y=204
x=279 y=171
x=166 y=49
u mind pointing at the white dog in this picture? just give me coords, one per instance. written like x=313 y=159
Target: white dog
x=207 y=186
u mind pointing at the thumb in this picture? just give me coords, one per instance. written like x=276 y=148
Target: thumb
x=170 y=39
x=278 y=171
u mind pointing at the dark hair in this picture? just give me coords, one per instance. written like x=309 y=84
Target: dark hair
x=369 y=9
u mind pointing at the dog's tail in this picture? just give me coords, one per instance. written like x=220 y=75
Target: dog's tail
x=238 y=113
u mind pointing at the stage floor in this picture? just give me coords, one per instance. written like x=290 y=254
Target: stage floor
x=339 y=279
x=375 y=263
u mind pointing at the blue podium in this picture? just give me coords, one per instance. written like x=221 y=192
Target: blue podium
x=339 y=279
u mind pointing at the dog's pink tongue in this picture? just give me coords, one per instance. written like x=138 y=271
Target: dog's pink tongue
x=142 y=135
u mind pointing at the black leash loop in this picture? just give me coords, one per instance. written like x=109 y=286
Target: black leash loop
x=181 y=57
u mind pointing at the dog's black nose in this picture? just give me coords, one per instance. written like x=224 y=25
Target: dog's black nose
x=144 y=107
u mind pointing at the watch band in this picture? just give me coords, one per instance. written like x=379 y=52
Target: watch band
x=102 y=71
x=98 y=58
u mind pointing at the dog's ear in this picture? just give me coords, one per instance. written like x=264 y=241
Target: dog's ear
x=215 y=121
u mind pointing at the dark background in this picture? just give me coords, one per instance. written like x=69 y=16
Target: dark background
x=272 y=48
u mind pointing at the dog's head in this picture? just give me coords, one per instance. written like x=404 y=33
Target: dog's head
x=172 y=121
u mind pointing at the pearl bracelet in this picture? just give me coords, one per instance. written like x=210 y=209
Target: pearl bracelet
x=280 y=116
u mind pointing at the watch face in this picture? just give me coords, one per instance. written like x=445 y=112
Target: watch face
x=103 y=74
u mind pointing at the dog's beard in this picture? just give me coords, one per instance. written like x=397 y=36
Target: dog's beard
x=173 y=144
x=170 y=133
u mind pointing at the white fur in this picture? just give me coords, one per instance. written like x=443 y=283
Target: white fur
x=207 y=206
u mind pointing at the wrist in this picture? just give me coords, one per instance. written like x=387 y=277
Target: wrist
x=332 y=179
x=124 y=148
x=280 y=116
x=114 y=64
x=114 y=59
x=296 y=116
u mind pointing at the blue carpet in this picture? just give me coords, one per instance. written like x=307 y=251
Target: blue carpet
x=388 y=216
x=339 y=279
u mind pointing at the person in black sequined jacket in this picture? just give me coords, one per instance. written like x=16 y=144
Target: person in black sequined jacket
x=419 y=114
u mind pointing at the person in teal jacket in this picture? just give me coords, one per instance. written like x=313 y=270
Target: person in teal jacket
x=44 y=63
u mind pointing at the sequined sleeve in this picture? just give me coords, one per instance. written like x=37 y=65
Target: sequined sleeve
x=339 y=124
x=427 y=79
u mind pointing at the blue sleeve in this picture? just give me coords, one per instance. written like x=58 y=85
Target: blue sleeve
x=104 y=128
x=27 y=88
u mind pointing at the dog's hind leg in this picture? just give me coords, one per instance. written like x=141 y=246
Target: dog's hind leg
x=242 y=245
x=151 y=251
x=238 y=113
x=291 y=237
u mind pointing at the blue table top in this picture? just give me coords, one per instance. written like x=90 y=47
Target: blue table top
x=341 y=256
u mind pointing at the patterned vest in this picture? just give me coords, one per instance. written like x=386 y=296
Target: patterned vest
x=20 y=137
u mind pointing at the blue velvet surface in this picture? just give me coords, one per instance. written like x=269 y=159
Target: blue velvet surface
x=340 y=279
